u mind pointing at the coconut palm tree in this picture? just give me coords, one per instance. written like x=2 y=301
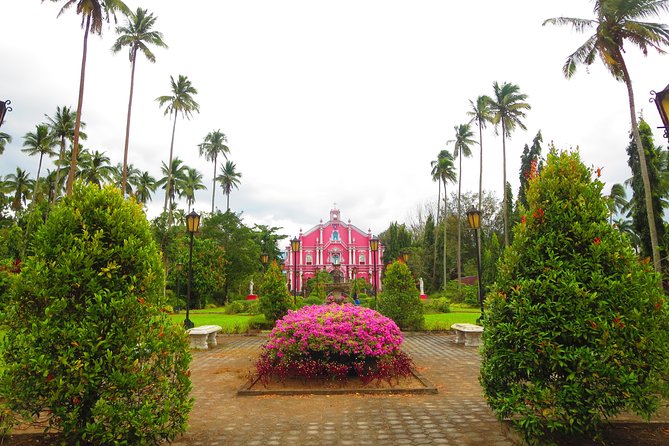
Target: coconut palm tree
x=172 y=180
x=181 y=101
x=507 y=107
x=618 y=22
x=93 y=13
x=62 y=127
x=462 y=148
x=4 y=139
x=213 y=144
x=95 y=167
x=443 y=170
x=41 y=143
x=229 y=179
x=19 y=186
x=136 y=36
x=480 y=112
x=144 y=185
x=191 y=182
x=616 y=201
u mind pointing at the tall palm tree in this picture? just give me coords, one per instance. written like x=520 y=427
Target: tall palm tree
x=618 y=22
x=174 y=175
x=191 y=183
x=41 y=143
x=443 y=170
x=95 y=167
x=616 y=201
x=462 y=147
x=213 y=144
x=181 y=101
x=508 y=107
x=4 y=139
x=480 y=112
x=137 y=36
x=229 y=179
x=62 y=126
x=93 y=13
x=19 y=185
x=144 y=185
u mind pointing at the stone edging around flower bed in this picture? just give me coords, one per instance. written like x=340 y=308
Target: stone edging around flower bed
x=426 y=388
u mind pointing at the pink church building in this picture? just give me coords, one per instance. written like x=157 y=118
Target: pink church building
x=334 y=244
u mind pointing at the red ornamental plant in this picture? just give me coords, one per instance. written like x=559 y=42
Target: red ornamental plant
x=334 y=341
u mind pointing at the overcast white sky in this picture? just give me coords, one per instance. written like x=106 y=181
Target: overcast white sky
x=324 y=101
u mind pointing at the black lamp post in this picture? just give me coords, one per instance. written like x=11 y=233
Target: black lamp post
x=354 y=272
x=264 y=258
x=4 y=108
x=661 y=99
x=192 y=225
x=474 y=220
x=374 y=247
x=295 y=246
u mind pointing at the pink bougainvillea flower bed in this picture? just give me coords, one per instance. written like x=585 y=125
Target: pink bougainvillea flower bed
x=334 y=341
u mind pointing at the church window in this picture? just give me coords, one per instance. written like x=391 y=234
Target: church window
x=335 y=235
x=362 y=259
x=309 y=259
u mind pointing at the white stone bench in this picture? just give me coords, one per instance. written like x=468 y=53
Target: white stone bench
x=469 y=334
x=203 y=337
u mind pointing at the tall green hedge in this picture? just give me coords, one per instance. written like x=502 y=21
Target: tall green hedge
x=400 y=300
x=275 y=299
x=86 y=342
x=576 y=326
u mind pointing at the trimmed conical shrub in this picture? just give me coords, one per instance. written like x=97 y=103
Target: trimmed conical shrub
x=576 y=326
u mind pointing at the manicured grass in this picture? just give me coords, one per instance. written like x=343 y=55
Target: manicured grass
x=231 y=323
x=443 y=321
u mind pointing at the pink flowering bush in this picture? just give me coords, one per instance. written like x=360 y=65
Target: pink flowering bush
x=334 y=341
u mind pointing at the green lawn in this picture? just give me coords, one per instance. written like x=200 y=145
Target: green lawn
x=239 y=323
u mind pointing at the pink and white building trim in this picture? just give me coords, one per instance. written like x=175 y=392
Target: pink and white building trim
x=334 y=243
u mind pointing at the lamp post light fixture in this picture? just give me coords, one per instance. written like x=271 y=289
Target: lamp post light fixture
x=192 y=225
x=474 y=220
x=374 y=247
x=264 y=258
x=405 y=257
x=4 y=108
x=295 y=247
x=661 y=99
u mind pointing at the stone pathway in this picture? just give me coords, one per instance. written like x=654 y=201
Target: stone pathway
x=457 y=415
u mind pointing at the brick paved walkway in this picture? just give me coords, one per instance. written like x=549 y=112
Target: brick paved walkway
x=457 y=415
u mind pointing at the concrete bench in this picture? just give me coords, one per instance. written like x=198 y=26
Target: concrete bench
x=203 y=337
x=469 y=334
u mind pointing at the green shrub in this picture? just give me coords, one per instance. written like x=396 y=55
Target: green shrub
x=86 y=343
x=275 y=300
x=260 y=323
x=235 y=307
x=313 y=300
x=438 y=305
x=169 y=309
x=252 y=307
x=400 y=299
x=576 y=327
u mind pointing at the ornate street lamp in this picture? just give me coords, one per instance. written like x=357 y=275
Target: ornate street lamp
x=661 y=99
x=405 y=257
x=4 y=108
x=295 y=247
x=374 y=247
x=264 y=258
x=474 y=220
x=192 y=225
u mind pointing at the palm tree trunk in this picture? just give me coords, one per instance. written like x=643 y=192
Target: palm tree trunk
x=480 y=163
x=506 y=197
x=213 y=191
x=60 y=161
x=80 y=103
x=648 y=196
x=458 y=267
x=39 y=169
x=444 y=253
x=169 y=170
x=127 y=124
x=434 y=260
x=227 y=203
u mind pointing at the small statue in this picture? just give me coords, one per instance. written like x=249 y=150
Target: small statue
x=420 y=281
x=251 y=287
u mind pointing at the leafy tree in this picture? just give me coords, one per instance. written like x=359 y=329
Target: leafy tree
x=87 y=344
x=229 y=179
x=576 y=328
x=275 y=300
x=267 y=238
x=19 y=186
x=481 y=113
x=530 y=165
x=4 y=139
x=214 y=143
x=41 y=143
x=428 y=244
x=191 y=182
x=395 y=240
x=618 y=22
x=95 y=167
x=616 y=201
x=62 y=126
x=400 y=300
x=656 y=168
x=462 y=142
x=174 y=177
x=93 y=13
x=137 y=35
x=508 y=107
x=180 y=102
x=144 y=185
x=443 y=169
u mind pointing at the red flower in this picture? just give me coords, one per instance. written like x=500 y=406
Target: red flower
x=49 y=377
x=523 y=219
x=597 y=241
